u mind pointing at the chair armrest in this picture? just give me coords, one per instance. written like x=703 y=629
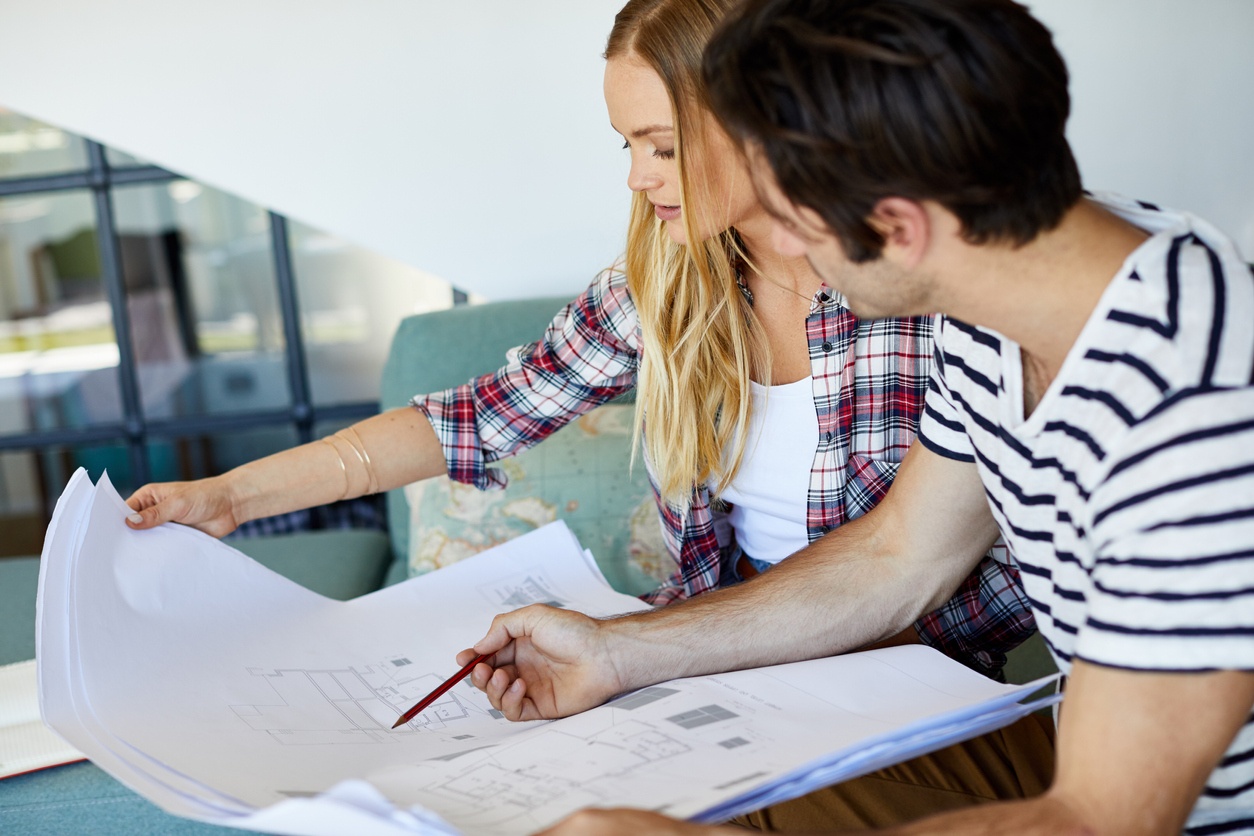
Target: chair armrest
x=339 y=564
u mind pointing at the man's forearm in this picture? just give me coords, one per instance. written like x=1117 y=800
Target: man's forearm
x=867 y=580
x=841 y=593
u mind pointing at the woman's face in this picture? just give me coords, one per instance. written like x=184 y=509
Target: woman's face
x=640 y=110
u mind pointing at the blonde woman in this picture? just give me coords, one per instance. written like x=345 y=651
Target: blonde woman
x=760 y=398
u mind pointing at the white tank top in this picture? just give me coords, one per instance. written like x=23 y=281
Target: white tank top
x=768 y=495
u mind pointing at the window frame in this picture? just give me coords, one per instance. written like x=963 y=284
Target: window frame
x=134 y=430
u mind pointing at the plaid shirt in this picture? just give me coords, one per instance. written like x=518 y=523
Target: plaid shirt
x=870 y=378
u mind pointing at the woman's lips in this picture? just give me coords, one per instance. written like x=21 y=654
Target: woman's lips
x=666 y=213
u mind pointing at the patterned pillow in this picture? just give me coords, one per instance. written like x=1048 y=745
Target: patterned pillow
x=580 y=474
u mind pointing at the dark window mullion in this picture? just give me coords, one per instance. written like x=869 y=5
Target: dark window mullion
x=44 y=183
x=115 y=290
x=294 y=345
x=224 y=423
x=37 y=441
x=142 y=174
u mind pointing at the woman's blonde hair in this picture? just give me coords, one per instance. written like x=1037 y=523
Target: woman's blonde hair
x=699 y=339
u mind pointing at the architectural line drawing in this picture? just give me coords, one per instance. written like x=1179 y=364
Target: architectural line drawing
x=356 y=704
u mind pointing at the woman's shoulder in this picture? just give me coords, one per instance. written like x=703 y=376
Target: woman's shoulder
x=607 y=305
x=613 y=279
x=609 y=292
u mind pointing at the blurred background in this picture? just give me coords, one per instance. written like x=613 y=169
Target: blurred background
x=213 y=213
x=163 y=329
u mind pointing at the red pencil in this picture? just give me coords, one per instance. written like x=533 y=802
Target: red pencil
x=439 y=691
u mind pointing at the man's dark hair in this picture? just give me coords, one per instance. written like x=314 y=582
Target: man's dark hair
x=963 y=102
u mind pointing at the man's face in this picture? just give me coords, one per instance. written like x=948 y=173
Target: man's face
x=872 y=289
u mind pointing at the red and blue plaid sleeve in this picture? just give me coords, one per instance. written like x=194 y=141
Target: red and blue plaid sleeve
x=588 y=355
x=986 y=618
x=691 y=537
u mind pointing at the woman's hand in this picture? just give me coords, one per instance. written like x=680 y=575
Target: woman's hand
x=206 y=504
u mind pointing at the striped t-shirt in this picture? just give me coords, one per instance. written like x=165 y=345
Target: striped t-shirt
x=1127 y=496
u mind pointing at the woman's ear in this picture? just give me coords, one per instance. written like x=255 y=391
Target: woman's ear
x=906 y=227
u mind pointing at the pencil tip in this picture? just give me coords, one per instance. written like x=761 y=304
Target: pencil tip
x=398 y=722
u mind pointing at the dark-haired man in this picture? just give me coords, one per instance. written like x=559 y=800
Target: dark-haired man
x=1092 y=401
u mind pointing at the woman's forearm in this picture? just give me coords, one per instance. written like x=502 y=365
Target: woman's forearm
x=382 y=452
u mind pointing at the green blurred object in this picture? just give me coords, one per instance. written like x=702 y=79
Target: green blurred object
x=76 y=256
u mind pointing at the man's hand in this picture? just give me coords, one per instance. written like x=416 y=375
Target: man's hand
x=628 y=823
x=546 y=663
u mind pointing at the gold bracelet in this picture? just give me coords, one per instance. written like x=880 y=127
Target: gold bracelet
x=343 y=468
x=359 y=447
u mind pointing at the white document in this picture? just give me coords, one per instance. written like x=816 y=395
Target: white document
x=224 y=692
x=26 y=744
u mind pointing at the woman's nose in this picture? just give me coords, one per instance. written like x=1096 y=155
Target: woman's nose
x=641 y=178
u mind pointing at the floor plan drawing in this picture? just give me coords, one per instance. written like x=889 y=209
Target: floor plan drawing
x=660 y=735
x=510 y=593
x=358 y=704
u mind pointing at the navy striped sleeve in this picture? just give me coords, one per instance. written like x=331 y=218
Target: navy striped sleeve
x=1173 y=526
x=940 y=428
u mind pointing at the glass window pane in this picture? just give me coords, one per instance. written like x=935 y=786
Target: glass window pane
x=32 y=481
x=183 y=458
x=29 y=148
x=350 y=303
x=58 y=358
x=23 y=504
x=121 y=159
x=361 y=512
x=228 y=450
x=204 y=307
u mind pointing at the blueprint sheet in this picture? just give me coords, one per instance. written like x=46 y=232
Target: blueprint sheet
x=224 y=692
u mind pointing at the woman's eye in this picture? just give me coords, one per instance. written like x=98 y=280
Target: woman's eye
x=626 y=145
x=664 y=155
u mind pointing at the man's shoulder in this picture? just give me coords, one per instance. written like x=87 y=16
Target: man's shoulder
x=1172 y=328
x=1188 y=414
x=1195 y=440
x=967 y=352
x=1183 y=305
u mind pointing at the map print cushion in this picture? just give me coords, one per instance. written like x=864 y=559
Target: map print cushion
x=581 y=474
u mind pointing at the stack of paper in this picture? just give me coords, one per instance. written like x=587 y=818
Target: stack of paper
x=26 y=744
x=224 y=692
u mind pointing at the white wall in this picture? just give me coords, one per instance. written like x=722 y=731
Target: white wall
x=1163 y=101
x=469 y=138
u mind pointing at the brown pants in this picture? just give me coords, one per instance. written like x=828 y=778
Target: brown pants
x=1011 y=763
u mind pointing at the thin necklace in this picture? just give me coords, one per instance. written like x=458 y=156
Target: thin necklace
x=770 y=281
